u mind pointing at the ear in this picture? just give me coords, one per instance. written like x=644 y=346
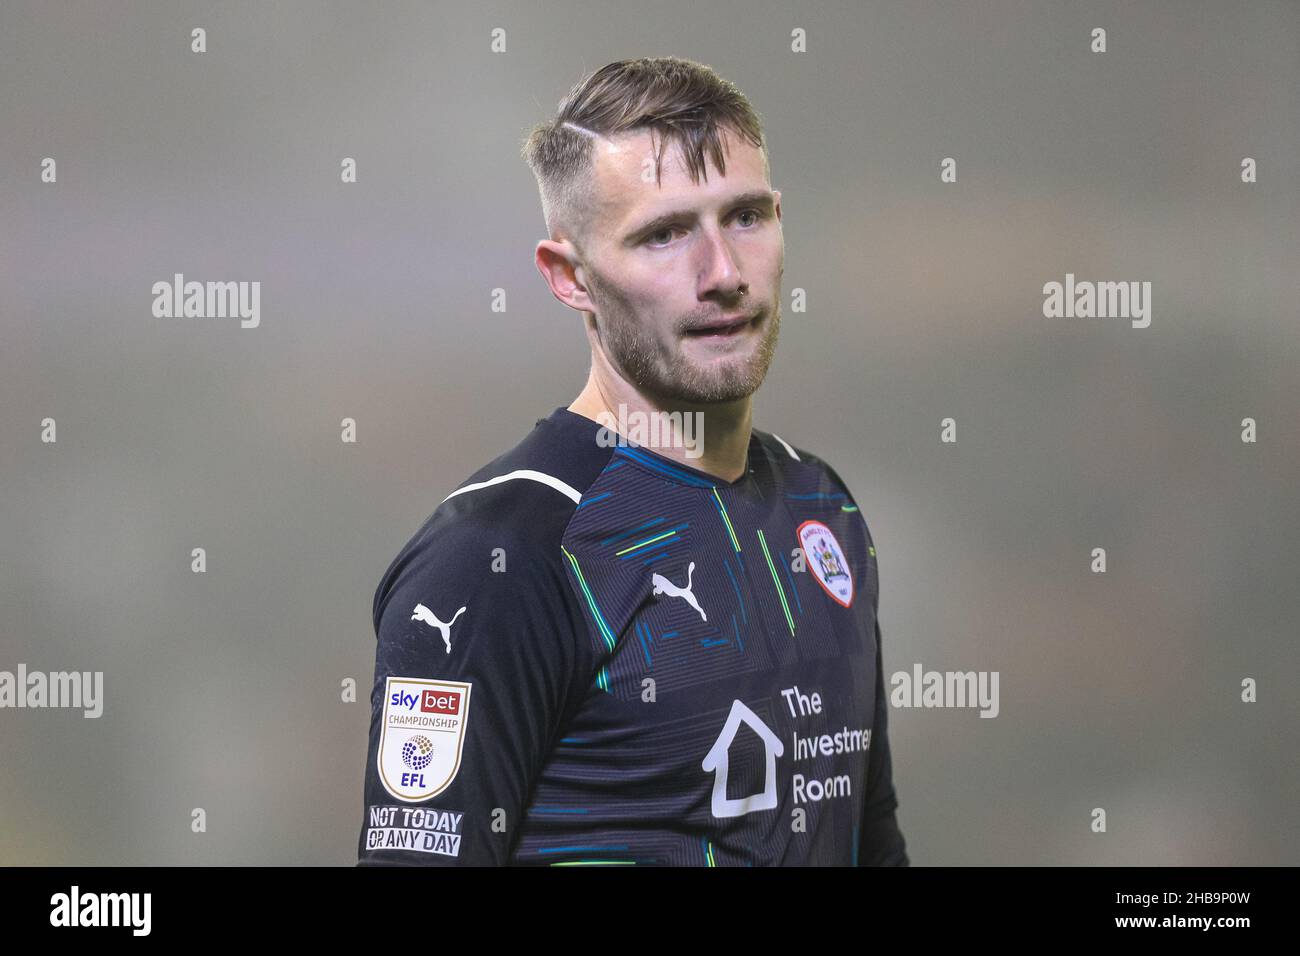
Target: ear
x=558 y=264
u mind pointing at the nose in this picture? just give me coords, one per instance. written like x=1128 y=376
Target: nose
x=720 y=276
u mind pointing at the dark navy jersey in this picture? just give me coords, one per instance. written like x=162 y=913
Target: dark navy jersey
x=595 y=654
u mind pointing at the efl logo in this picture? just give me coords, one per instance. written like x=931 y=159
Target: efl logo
x=419 y=750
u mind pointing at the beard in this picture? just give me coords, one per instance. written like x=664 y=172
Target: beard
x=663 y=371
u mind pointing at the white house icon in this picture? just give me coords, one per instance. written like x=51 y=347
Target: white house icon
x=717 y=761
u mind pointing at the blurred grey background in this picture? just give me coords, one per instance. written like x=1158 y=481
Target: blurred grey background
x=222 y=690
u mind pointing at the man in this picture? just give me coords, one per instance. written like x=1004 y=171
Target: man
x=609 y=651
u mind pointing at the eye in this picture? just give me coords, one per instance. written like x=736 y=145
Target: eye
x=667 y=232
x=756 y=213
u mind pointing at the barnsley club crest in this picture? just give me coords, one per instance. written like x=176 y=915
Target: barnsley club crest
x=826 y=560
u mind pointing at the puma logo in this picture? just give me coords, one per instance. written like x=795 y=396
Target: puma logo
x=422 y=613
x=663 y=586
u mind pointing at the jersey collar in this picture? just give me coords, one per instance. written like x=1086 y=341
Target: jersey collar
x=662 y=465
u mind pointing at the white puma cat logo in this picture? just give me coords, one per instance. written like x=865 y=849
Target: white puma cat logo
x=422 y=613
x=663 y=586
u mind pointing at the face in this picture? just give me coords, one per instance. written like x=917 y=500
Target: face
x=684 y=278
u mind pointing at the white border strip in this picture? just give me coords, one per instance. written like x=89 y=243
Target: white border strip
x=528 y=473
x=793 y=453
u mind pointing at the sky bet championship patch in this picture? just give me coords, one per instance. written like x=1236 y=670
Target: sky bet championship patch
x=423 y=732
x=826 y=559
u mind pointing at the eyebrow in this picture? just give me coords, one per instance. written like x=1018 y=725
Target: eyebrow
x=650 y=227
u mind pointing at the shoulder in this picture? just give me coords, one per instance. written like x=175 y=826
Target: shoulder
x=502 y=526
x=800 y=462
x=807 y=474
x=816 y=495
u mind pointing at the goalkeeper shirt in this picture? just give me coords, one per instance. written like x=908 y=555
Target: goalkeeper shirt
x=593 y=654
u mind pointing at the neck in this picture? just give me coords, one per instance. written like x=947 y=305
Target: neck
x=720 y=437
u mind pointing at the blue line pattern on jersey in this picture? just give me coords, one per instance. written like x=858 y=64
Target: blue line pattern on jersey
x=739 y=600
x=602 y=677
x=650 y=543
x=726 y=519
x=581 y=849
x=586 y=501
x=640 y=630
x=541 y=809
x=627 y=534
x=676 y=473
x=708 y=852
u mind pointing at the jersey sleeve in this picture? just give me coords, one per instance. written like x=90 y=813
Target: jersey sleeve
x=880 y=841
x=480 y=660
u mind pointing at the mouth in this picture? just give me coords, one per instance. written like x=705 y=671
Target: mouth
x=723 y=328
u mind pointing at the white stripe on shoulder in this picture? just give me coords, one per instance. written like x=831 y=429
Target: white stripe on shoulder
x=793 y=454
x=528 y=473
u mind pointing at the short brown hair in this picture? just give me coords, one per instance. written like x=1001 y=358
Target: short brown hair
x=685 y=103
